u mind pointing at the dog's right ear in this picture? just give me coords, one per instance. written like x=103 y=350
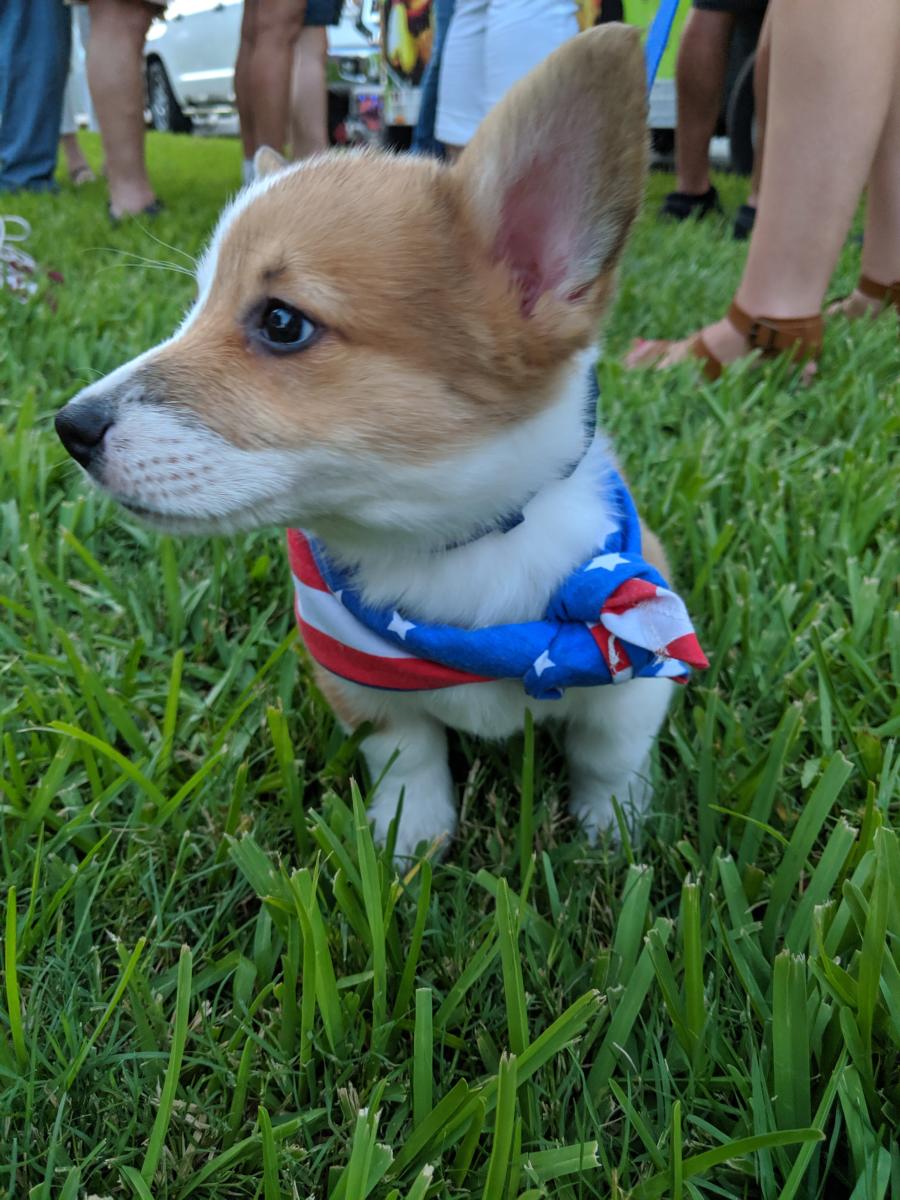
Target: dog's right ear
x=267 y=161
x=553 y=178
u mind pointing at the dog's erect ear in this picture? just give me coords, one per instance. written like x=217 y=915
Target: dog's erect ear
x=553 y=177
x=267 y=161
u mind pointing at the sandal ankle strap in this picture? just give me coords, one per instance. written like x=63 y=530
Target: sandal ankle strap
x=887 y=293
x=801 y=337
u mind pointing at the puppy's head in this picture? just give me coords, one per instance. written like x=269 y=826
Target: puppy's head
x=369 y=327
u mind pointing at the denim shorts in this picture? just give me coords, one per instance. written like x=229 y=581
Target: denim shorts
x=323 y=12
x=740 y=8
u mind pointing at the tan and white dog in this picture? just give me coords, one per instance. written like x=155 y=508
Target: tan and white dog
x=391 y=353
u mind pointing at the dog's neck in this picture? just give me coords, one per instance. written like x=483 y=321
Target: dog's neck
x=454 y=571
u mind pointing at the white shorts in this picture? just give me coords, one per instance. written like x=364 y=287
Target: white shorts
x=490 y=45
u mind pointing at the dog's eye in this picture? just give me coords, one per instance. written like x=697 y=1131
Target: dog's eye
x=284 y=328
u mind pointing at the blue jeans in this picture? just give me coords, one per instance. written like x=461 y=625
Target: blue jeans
x=35 y=39
x=424 y=141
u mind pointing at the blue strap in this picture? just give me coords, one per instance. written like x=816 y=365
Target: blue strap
x=658 y=37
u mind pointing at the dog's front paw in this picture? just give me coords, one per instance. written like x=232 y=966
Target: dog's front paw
x=593 y=808
x=423 y=823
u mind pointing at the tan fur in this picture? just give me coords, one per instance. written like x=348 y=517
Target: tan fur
x=425 y=348
x=654 y=553
x=350 y=716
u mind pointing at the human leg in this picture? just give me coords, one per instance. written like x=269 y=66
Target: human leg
x=115 y=62
x=243 y=89
x=830 y=92
x=760 y=105
x=277 y=27
x=76 y=164
x=34 y=62
x=881 y=242
x=309 y=94
x=699 y=80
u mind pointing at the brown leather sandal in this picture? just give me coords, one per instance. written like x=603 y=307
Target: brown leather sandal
x=798 y=337
x=885 y=294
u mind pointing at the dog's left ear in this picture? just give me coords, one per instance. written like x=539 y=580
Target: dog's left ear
x=553 y=178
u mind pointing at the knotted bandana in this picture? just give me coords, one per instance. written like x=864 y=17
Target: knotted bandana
x=614 y=618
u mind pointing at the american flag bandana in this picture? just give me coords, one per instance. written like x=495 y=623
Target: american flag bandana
x=614 y=618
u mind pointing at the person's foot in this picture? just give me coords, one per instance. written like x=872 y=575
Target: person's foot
x=744 y=220
x=81 y=173
x=681 y=206
x=868 y=299
x=130 y=200
x=722 y=339
x=734 y=337
x=153 y=209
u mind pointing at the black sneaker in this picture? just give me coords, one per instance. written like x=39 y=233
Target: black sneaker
x=682 y=205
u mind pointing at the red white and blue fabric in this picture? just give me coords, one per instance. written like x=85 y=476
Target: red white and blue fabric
x=614 y=618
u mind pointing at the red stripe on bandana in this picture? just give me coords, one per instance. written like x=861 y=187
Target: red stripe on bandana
x=687 y=650
x=629 y=594
x=394 y=674
x=303 y=564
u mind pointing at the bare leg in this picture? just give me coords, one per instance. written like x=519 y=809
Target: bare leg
x=115 y=66
x=277 y=27
x=242 y=87
x=76 y=164
x=700 y=78
x=309 y=97
x=881 y=245
x=831 y=89
x=761 y=105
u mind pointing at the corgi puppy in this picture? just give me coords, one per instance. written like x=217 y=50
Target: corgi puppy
x=391 y=357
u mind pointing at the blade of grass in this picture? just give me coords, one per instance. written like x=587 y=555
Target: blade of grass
x=423 y=1057
x=407 y=979
x=764 y=798
x=513 y=987
x=692 y=954
x=809 y=825
x=173 y=1068
x=790 y=1042
x=371 y=892
x=119 y=991
x=271 y=1186
x=504 y=1119
x=699 y=1164
x=13 y=998
x=627 y=1011
x=526 y=797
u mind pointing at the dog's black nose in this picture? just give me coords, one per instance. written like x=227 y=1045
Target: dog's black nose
x=81 y=428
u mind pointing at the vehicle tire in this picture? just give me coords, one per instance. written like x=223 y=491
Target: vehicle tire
x=740 y=123
x=165 y=112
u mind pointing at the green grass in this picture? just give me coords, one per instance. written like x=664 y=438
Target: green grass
x=214 y=985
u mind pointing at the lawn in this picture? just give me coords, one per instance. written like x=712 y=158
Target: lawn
x=214 y=986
